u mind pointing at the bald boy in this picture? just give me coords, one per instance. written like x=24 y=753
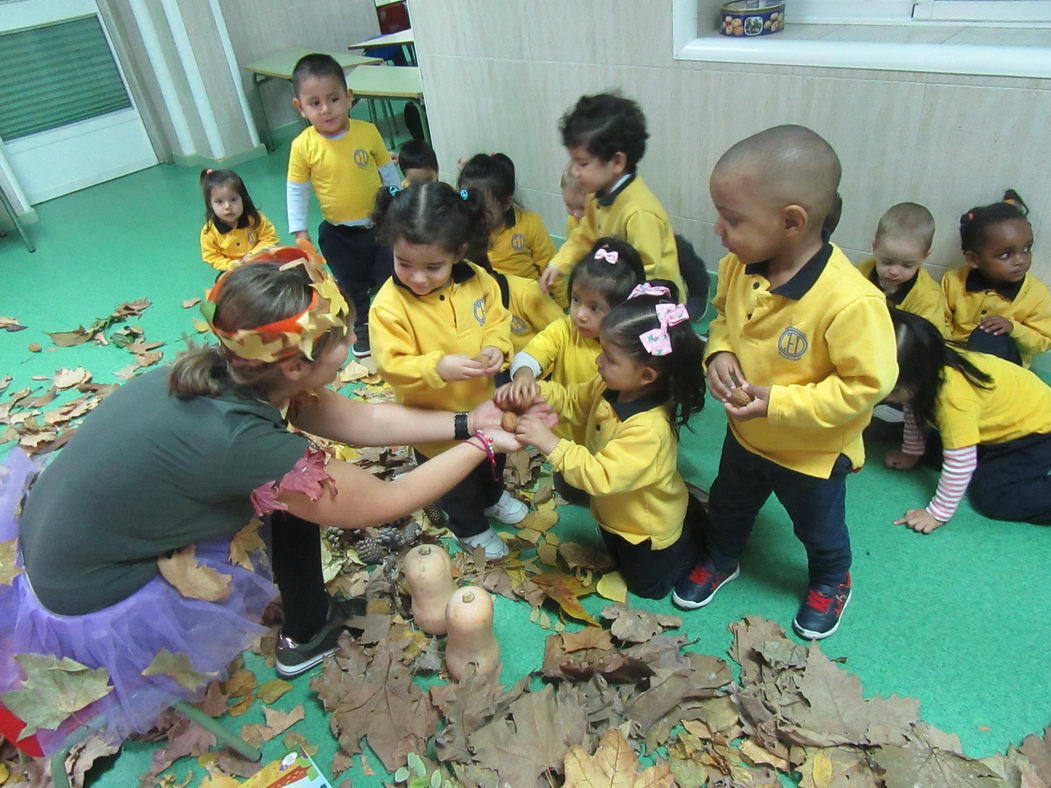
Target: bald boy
x=801 y=350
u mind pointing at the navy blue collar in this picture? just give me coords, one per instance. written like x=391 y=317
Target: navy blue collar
x=606 y=200
x=461 y=273
x=976 y=281
x=224 y=228
x=800 y=284
x=625 y=410
x=898 y=295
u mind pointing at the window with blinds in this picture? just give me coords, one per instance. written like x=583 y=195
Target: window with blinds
x=55 y=75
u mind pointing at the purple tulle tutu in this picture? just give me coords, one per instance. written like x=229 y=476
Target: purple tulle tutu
x=124 y=638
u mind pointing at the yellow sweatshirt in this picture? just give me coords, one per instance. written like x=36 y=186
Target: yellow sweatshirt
x=523 y=249
x=921 y=295
x=410 y=334
x=633 y=213
x=223 y=246
x=1027 y=304
x=823 y=341
x=531 y=310
x=629 y=464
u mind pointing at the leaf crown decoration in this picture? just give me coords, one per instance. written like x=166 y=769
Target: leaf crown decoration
x=298 y=333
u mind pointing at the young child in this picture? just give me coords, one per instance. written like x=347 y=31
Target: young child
x=532 y=310
x=994 y=419
x=573 y=198
x=605 y=136
x=417 y=162
x=807 y=342
x=233 y=228
x=903 y=241
x=649 y=383
x=993 y=303
x=441 y=333
x=345 y=160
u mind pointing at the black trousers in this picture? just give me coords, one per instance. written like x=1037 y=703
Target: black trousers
x=295 y=554
x=653 y=573
x=1011 y=481
x=358 y=262
x=995 y=345
x=467 y=501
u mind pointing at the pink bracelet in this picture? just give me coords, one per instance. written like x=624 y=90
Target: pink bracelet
x=486 y=445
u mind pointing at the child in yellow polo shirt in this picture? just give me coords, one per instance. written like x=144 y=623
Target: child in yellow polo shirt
x=993 y=303
x=574 y=198
x=605 y=136
x=345 y=161
x=994 y=420
x=233 y=227
x=903 y=241
x=807 y=343
x=440 y=334
x=649 y=383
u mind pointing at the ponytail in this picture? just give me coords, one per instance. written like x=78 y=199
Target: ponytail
x=432 y=214
x=974 y=222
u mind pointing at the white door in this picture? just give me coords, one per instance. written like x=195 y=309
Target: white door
x=67 y=118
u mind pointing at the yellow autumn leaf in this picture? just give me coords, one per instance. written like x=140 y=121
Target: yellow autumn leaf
x=612 y=586
x=8 y=569
x=200 y=326
x=271 y=690
x=179 y=667
x=245 y=542
x=191 y=578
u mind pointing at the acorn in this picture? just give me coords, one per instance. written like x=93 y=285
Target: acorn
x=509 y=421
x=739 y=398
x=35 y=348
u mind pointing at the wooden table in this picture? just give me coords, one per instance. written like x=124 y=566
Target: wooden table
x=280 y=66
x=403 y=38
x=390 y=82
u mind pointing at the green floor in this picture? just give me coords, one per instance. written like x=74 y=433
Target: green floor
x=958 y=619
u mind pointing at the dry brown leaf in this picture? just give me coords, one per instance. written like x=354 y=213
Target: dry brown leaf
x=240 y=683
x=588 y=637
x=191 y=578
x=539 y=521
x=277 y=722
x=565 y=590
x=585 y=556
x=245 y=542
x=547 y=553
x=189 y=302
x=835 y=766
x=271 y=690
x=613 y=765
x=10 y=324
x=242 y=706
x=638 y=626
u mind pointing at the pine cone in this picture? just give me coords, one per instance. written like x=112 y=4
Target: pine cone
x=434 y=514
x=370 y=551
x=337 y=539
x=389 y=537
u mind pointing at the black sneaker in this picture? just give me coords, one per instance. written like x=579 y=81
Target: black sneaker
x=819 y=615
x=361 y=343
x=698 y=588
x=294 y=658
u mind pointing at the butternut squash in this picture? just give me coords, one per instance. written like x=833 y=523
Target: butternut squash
x=469 y=617
x=429 y=574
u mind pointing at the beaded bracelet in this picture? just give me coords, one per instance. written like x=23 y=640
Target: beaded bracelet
x=485 y=443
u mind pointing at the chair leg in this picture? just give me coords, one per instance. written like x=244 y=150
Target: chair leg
x=59 y=778
x=227 y=737
x=16 y=221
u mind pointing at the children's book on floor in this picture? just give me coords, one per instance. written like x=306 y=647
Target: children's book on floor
x=295 y=770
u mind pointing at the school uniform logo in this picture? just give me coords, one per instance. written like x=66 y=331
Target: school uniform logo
x=251 y=237
x=361 y=157
x=518 y=325
x=518 y=242
x=792 y=343
x=479 y=311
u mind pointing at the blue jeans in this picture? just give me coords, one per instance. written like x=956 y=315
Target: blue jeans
x=816 y=507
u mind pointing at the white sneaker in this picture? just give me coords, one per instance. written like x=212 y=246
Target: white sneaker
x=885 y=412
x=489 y=540
x=508 y=510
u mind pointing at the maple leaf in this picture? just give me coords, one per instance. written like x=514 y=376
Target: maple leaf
x=53 y=690
x=185 y=738
x=613 y=765
x=277 y=722
x=245 y=542
x=913 y=765
x=637 y=626
x=179 y=667
x=9 y=568
x=668 y=689
x=191 y=578
x=565 y=590
x=749 y=632
x=466 y=706
x=835 y=766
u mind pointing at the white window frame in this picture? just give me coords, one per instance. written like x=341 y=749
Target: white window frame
x=874 y=34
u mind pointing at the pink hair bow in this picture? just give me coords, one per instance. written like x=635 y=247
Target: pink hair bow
x=652 y=290
x=609 y=255
x=657 y=341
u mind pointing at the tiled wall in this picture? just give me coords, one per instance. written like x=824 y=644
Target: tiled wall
x=499 y=73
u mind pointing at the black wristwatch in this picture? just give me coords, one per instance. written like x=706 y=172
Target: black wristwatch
x=460 y=429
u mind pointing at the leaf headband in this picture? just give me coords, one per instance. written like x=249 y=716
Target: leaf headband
x=289 y=336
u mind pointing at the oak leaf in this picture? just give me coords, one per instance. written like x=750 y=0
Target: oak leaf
x=192 y=579
x=179 y=667
x=613 y=765
x=53 y=690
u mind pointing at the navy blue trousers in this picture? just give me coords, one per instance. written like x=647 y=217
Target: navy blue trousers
x=995 y=345
x=816 y=507
x=1011 y=481
x=358 y=262
x=467 y=501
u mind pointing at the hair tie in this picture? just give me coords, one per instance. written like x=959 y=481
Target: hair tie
x=394 y=191
x=463 y=194
x=609 y=255
x=646 y=289
x=657 y=341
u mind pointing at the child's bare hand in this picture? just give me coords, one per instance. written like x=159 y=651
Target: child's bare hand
x=548 y=278
x=899 y=460
x=534 y=432
x=303 y=235
x=755 y=409
x=919 y=521
x=724 y=375
x=457 y=366
x=494 y=360
x=996 y=324
x=522 y=390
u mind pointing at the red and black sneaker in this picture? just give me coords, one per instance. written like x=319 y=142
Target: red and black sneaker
x=819 y=615
x=698 y=588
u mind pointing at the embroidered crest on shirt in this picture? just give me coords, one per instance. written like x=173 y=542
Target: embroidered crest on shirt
x=479 y=311
x=361 y=157
x=792 y=343
x=518 y=242
x=518 y=325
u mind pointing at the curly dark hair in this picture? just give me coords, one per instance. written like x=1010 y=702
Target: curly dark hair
x=431 y=213
x=606 y=124
x=974 y=223
x=614 y=280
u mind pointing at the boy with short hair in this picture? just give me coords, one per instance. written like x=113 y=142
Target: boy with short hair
x=803 y=336
x=418 y=162
x=346 y=161
x=903 y=241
